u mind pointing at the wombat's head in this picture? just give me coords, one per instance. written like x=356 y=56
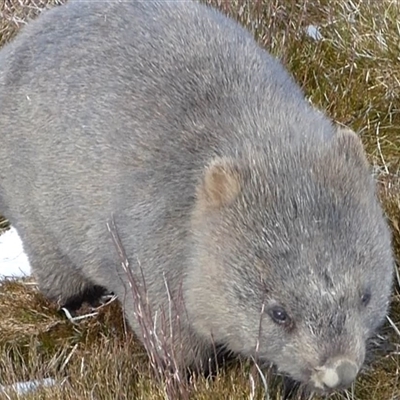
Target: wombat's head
x=294 y=259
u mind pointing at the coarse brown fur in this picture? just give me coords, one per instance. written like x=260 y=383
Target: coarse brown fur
x=237 y=199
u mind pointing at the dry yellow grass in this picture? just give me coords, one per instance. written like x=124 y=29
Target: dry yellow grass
x=354 y=74
x=16 y=13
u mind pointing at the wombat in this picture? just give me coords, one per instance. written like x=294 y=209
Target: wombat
x=230 y=193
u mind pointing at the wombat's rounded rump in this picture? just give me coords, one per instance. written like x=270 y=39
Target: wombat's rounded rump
x=245 y=210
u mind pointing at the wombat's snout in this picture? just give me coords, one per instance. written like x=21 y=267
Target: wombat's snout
x=337 y=373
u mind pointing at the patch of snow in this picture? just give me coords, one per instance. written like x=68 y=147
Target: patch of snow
x=26 y=387
x=313 y=32
x=13 y=260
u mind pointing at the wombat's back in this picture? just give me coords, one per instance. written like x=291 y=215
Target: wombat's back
x=139 y=78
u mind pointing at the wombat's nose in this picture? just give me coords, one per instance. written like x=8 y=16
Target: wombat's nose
x=338 y=373
x=347 y=372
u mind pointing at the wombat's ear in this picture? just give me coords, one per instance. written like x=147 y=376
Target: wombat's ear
x=220 y=184
x=350 y=146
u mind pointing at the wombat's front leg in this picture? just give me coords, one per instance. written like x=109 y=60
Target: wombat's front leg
x=58 y=278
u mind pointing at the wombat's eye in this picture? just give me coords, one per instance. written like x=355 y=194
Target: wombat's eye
x=365 y=298
x=279 y=315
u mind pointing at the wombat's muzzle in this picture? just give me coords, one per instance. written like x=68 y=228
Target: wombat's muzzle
x=337 y=373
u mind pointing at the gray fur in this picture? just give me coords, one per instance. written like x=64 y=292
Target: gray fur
x=117 y=108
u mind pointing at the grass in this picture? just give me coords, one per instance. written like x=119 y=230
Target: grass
x=353 y=74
